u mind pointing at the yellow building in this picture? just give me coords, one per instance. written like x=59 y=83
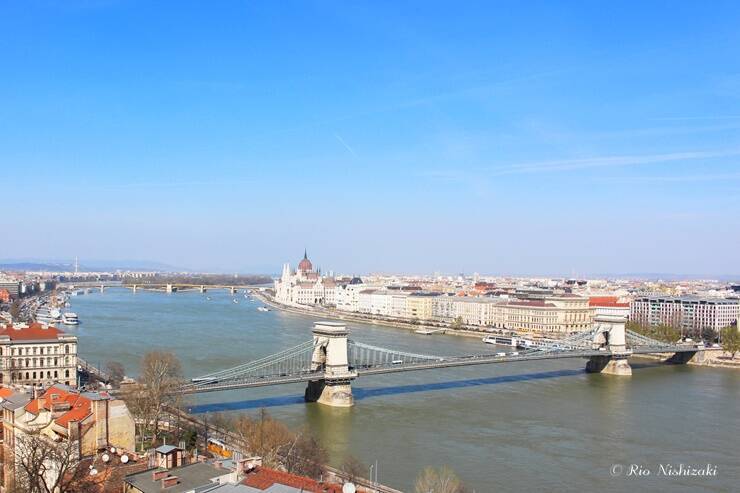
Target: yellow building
x=419 y=306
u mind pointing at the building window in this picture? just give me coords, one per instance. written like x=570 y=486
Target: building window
x=66 y=373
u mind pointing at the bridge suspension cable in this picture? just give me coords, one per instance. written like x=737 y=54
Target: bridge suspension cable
x=635 y=339
x=363 y=355
x=297 y=358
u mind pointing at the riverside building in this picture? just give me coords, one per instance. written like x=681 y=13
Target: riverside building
x=304 y=286
x=37 y=355
x=688 y=313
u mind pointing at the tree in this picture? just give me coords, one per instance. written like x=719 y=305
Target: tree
x=266 y=437
x=116 y=372
x=353 y=468
x=666 y=333
x=442 y=480
x=457 y=323
x=305 y=456
x=15 y=311
x=662 y=332
x=161 y=375
x=43 y=465
x=708 y=334
x=730 y=340
x=280 y=448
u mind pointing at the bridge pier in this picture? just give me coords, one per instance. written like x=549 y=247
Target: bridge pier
x=232 y=290
x=609 y=365
x=134 y=288
x=685 y=357
x=612 y=337
x=102 y=288
x=170 y=289
x=331 y=354
x=202 y=289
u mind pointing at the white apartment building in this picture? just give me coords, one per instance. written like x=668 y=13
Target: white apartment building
x=347 y=296
x=690 y=314
x=554 y=314
x=38 y=355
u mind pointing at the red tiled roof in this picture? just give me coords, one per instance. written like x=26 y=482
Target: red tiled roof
x=32 y=332
x=80 y=407
x=263 y=478
x=606 y=301
x=5 y=392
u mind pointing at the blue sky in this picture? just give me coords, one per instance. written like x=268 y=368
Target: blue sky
x=498 y=137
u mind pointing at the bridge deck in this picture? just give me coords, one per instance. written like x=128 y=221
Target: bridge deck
x=451 y=362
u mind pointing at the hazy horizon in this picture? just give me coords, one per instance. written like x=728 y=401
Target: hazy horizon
x=568 y=139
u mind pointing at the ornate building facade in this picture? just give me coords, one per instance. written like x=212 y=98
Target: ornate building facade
x=304 y=286
x=38 y=355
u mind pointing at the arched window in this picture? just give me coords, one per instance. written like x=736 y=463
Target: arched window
x=26 y=375
x=56 y=374
x=34 y=375
x=66 y=373
x=66 y=349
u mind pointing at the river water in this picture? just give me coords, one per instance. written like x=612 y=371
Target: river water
x=527 y=426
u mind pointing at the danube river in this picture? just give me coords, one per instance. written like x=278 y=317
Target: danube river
x=526 y=426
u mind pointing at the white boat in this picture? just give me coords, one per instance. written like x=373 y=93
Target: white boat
x=70 y=318
x=235 y=301
x=263 y=309
x=500 y=340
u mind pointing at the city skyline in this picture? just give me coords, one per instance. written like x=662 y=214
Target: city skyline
x=495 y=139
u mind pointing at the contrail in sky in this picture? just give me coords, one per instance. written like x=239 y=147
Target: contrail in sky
x=346 y=146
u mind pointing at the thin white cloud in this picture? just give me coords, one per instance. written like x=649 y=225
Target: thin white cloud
x=693 y=118
x=608 y=162
x=346 y=146
x=677 y=178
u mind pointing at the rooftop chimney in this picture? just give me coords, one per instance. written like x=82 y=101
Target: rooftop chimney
x=169 y=481
x=157 y=475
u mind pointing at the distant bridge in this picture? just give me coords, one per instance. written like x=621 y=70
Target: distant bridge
x=330 y=361
x=164 y=287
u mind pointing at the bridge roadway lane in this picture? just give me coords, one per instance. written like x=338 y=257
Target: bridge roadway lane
x=485 y=359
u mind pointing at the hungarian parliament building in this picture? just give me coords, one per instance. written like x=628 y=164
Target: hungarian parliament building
x=304 y=286
x=553 y=313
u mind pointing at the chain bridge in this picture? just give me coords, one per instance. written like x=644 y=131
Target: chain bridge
x=331 y=360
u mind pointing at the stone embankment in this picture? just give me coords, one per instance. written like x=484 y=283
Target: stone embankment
x=327 y=313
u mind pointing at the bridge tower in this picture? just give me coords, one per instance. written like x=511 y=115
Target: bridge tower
x=611 y=336
x=331 y=354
